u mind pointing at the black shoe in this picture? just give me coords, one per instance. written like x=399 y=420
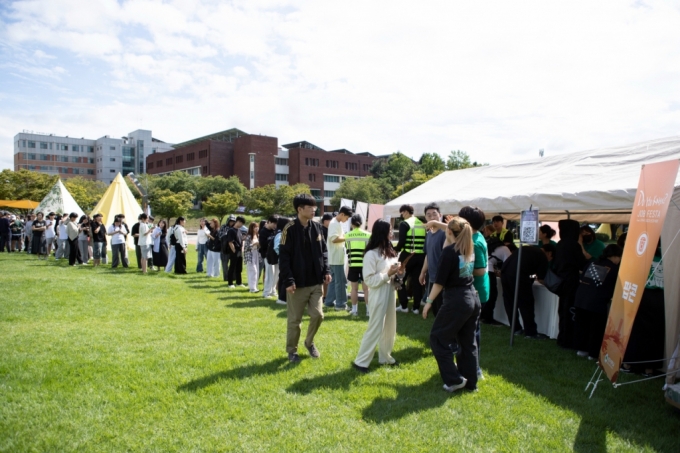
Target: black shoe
x=293 y=357
x=360 y=369
x=313 y=351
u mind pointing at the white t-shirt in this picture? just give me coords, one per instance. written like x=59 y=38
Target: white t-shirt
x=117 y=238
x=336 y=251
x=202 y=235
x=144 y=239
x=63 y=233
x=49 y=229
x=499 y=253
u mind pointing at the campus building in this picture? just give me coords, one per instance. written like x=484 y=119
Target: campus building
x=257 y=160
x=101 y=159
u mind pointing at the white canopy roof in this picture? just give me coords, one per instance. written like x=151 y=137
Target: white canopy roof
x=597 y=185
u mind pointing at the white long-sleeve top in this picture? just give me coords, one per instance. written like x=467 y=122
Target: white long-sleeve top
x=202 y=235
x=375 y=270
x=181 y=236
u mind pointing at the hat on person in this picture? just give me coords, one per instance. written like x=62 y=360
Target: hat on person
x=232 y=218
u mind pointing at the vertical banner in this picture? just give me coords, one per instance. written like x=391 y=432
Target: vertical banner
x=375 y=212
x=362 y=210
x=646 y=222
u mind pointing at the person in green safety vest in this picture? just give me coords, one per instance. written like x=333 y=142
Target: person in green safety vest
x=355 y=242
x=411 y=246
x=501 y=233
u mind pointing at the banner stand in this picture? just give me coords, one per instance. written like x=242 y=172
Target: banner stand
x=528 y=234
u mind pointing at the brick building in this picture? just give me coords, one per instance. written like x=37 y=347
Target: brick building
x=257 y=160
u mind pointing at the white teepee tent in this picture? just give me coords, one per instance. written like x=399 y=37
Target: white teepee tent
x=59 y=201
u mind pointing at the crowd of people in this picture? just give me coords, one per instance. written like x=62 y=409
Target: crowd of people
x=448 y=266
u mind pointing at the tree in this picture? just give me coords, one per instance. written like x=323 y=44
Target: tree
x=431 y=163
x=177 y=181
x=221 y=204
x=269 y=200
x=459 y=160
x=86 y=192
x=209 y=185
x=168 y=204
x=25 y=185
x=417 y=179
x=368 y=190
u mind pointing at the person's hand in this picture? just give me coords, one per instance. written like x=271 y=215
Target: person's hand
x=426 y=309
x=327 y=279
x=291 y=289
x=421 y=279
x=393 y=269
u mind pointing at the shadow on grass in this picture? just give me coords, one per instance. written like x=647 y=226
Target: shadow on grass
x=271 y=367
x=408 y=400
x=560 y=377
x=255 y=303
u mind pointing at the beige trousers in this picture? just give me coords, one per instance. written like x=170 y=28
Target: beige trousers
x=309 y=297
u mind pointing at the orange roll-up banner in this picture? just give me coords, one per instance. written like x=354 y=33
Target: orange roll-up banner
x=646 y=222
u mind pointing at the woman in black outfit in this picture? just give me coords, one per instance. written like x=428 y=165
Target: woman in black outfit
x=38 y=245
x=593 y=298
x=181 y=246
x=160 y=257
x=453 y=331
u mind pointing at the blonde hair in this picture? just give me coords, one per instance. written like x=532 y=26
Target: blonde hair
x=462 y=231
x=489 y=229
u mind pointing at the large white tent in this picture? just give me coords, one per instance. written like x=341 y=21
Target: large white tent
x=594 y=186
x=59 y=200
x=118 y=200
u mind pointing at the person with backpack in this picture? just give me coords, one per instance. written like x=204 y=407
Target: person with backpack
x=225 y=251
x=235 y=244
x=273 y=256
x=271 y=268
x=172 y=252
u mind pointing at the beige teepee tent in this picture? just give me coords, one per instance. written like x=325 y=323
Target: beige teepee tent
x=118 y=200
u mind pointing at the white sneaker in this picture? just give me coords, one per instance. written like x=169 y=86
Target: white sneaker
x=242 y=286
x=480 y=375
x=402 y=310
x=231 y=286
x=281 y=302
x=582 y=353
x=415 y=312
x=453 y=388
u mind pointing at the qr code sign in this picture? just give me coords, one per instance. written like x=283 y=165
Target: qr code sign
x=529 y=233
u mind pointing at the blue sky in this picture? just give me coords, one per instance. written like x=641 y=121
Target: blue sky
x=497 y=79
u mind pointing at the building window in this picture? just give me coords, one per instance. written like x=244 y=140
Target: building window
x=312 y=177
x=331 y=178
x=23 y=143
x=90 y=171
x=91 y=160
x=367 y=167
x=252 y=158
x=205 y=169
x=76 y=171
x=280 y=177
x=203 y=154
x=350 y=166
x=112 y=171
x=179 y=159
x=113 y=159
x=62 y=147
x=44 y=157
x=63 y=158
x=76 y=148
x=159 y=163
x=329 y=193
x=31 y=144
x=281 y=161
x=311 y=162
x=150 y=166
x=316 y=193
x=252 y=175
x=112 y=148
x=190 y=156
x=90 y=149
x=75 y=160
x=30 y=156
x=43 y=145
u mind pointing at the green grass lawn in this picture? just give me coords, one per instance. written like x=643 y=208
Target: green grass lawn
x=112 y=360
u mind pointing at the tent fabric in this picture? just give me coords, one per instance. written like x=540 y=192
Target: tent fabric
x=362 y=210
x=22 y=204
x=375 y=212
x=595 y=186
x=59 y=200
x=119 y=200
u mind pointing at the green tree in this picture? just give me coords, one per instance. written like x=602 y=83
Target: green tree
x=86 y=192
x=368 y=190
x=269 y=200
x=417 y=179
x=459 y=160
x=25 y=185
x=396 y=170
x=209 y=185
x=167 y=204
x=177 y=181
x=221 y=204
x=431 y=163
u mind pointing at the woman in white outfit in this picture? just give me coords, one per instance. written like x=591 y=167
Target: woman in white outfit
x=380 y=267
x=251 y=256
x=214 y=247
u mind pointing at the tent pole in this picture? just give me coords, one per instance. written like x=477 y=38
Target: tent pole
x=514 y=305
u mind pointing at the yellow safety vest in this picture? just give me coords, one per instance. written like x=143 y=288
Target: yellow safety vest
x=415 y=239
x=356 y=244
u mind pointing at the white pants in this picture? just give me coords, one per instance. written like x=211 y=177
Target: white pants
x=271 y=275
x=213 y=269
x=171 y=259
x=253 y=274
x=382 y=327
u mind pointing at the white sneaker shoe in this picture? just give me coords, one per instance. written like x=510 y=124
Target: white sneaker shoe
x=453 y=388
x=281 y=302
x=415 y=312
x=231 y=286
x=582 y=353
x=402 y=310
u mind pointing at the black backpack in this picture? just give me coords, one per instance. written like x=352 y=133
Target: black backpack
x=173 y=238
x=272 y=256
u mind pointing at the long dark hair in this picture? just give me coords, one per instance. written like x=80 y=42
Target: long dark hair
x=380 y=239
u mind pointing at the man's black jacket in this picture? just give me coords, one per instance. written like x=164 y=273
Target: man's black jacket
x=292 y=260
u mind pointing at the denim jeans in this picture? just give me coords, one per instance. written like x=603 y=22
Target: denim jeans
x=202 y=255
x=337 y=289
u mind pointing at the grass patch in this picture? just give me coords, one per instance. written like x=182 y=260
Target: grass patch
x=112 y=360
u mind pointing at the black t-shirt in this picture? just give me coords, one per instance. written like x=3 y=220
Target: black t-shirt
x=38 y=224
x=135 y=230
x=325 y=232
x=534 y=262
x=452 y=270
x=234 y=235
x=311 y=278
x=263 y=237
x=101 y=236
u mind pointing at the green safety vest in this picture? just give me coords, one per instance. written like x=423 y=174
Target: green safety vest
x=356 y=244
x=415 y=239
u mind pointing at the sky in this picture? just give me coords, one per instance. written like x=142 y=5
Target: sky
x=496 y=79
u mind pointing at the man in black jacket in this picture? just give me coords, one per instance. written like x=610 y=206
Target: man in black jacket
x=270 y=269
x=303 y=263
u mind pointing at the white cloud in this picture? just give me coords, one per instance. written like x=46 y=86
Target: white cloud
x=497 y=79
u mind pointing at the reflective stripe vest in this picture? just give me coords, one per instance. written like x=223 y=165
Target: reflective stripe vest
x=415 y=238
x=356 y=244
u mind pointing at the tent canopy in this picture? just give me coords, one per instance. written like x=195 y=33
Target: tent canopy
x=59 y=200
x=118 y=200
x=20 y=204
x=596 y=186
